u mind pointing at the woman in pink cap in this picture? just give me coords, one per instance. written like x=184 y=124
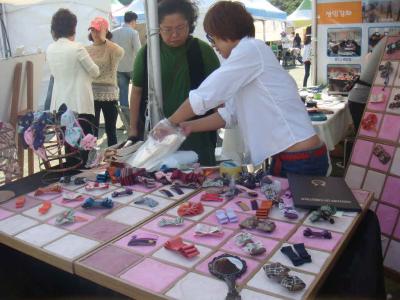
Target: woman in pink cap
x=106 y=55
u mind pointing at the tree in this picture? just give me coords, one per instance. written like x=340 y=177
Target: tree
x=288 y=6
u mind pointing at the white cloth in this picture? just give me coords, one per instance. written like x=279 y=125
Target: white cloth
x=307 y=52
x=260 y=95
x=128 y=38
x=73 y=72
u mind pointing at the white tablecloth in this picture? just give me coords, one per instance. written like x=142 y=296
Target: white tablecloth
x=335 y=128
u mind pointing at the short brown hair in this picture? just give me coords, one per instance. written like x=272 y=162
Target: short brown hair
x=63 y=24
x=229 y=21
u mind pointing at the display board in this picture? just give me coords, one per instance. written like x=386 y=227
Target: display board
x=153 y=272
x=375 y=160
x=347 y=30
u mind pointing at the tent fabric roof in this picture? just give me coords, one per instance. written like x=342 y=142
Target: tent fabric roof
x=257 y=8
x=302 y=13
x=18 y=4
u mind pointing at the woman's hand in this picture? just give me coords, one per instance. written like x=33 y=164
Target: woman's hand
x=186 y=128
x=163 y=129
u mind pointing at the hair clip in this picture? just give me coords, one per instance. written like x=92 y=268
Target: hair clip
x=20 y=202
x=325 y=234
x=79 y=180
x=178 y=221
x=56 y=189
x=44 y=208
x=176 y=189
x=190 y=209
x=280 y=273
x=69 y=217
x=147 y=201
x=102 y=177
x=125 y=192
x=91 y=203
x=211 y=197
x=166 y=193
x=325 y=212
x=242 y=205
x=71 y=196
x=176 y=244
x=261 y=225
x=382 y=155
x=144 y=240
x=65 y=179
x=96 y=186
x=263 y=211
x=246 y=241
x=207 y=230
x=221 y=216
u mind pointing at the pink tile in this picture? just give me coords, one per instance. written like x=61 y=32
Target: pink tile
x=5 y=214
x=322 y=244
x=142 y=249
x=71 y=204
x=168 y=230
x=232 y=204
x=396 y=54
x=269 y=245
x=102 y=229
x=212 y=219
x=251 y=266
x=387 y=216
x=49 y=196
x=284 y=182
x=281 y=231
x=377 y=90
x=76 y=225
x=29 y=203
x=372 y=132
x=360 y=195
x=206 y=240
x=391 y=191
x=397 y=231
x=376 y=164
x=196 y=198
x=153 y=275
x=142 y=188
x=390 y=128
x=111 y=260
x=362 y=152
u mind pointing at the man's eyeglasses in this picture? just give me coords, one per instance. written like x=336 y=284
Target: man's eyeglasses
x=210 y=39
x=170 y=31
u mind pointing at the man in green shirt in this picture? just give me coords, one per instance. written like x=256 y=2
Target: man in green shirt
x=185 y=63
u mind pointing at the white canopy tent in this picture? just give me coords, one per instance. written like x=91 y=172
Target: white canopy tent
x=302 y=16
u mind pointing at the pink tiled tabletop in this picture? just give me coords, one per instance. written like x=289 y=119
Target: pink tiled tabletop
x=5 y=214
x=29 y=203
x=76 y=225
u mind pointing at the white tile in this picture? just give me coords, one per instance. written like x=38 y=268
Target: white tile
x=341 y=223
x=194 y=286
x=318 y=260
x=252 y=295
x=162 y=203
x=395 y=169
x=129 y=215
x=51 y=213
x=262 y=282
x=41 y=235
x=15 y=224
x=125 y=198
x=174 y=212
x=374 y=183
x=354 y=176
x=177 y=258
x=71 y=246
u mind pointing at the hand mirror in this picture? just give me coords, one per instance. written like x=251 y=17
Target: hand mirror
x=228 y=267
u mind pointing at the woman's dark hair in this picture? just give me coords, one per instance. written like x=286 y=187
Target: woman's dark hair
x=307 y=37
x=63 y=24
x=229 y=21
x=108 y=36
x=130 y=16
x=186 y=8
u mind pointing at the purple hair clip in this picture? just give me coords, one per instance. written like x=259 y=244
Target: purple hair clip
x=127 y=191
x=324 y=234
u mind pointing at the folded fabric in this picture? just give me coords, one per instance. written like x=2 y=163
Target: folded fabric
x=190 y=209
x=221 y=216
x=187 y=250
x=53 y=189
x=178 y=221
x=207 y=230
x=147 y=201
x=91 y=203
x=280 y=273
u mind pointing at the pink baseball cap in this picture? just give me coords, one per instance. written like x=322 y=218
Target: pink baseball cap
x=98 y=22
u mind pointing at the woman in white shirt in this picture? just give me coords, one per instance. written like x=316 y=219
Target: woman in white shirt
x=258 y=95
x=306 y=58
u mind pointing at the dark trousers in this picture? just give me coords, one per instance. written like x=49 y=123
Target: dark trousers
x=110 y=114
x=86 y=121
x=307 y=65
x=356 y=111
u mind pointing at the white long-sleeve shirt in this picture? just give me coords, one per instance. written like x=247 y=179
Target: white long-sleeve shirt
x=73 y=72
x=260 y=96
x=307 y=52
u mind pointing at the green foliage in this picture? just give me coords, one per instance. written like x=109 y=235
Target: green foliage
x=288 y=6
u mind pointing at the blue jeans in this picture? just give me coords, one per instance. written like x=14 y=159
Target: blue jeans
x=313 y=162
x=123 y=83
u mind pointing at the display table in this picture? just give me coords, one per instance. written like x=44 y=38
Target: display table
x=335 y=128
x=98 y=250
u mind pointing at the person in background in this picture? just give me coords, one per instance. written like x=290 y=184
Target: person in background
x=307 y=58
x=73 y=71
x=106 y=55
x=286 y=44
x=252 y=90
x=297 y=41
x=128 y=38
x=358 y=95
x=185 y=62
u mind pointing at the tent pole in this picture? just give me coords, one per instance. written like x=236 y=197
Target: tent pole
x=154 y=64
x=314 y=41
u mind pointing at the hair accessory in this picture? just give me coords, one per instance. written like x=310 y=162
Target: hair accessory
x=69 y=217
x=263 y=211
x=178 y=221
x=325 y=212
x=90 y=186
x=382 y=155
x=254 y=204
x=271 y=190
x=91 y=203
x=44 y=208
x=79 y=180
x=221 y=216
x=127 y=191
x=20 y=202
x=207 y=230
x=176 y=244
x=176 y=189
x=53 y=189
x=190 y=209
x=147 y=201
x=243 y=205
x=143 y=240
x=211 y=197
x=70 y=196
x=248 y=244
x=302 y=252
x=324 y=234
x=280 y=273
x=261 y=225
x=233 y=218
x=369 y=122
x=166 y=193
x=102 y=177
x=294 y=258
